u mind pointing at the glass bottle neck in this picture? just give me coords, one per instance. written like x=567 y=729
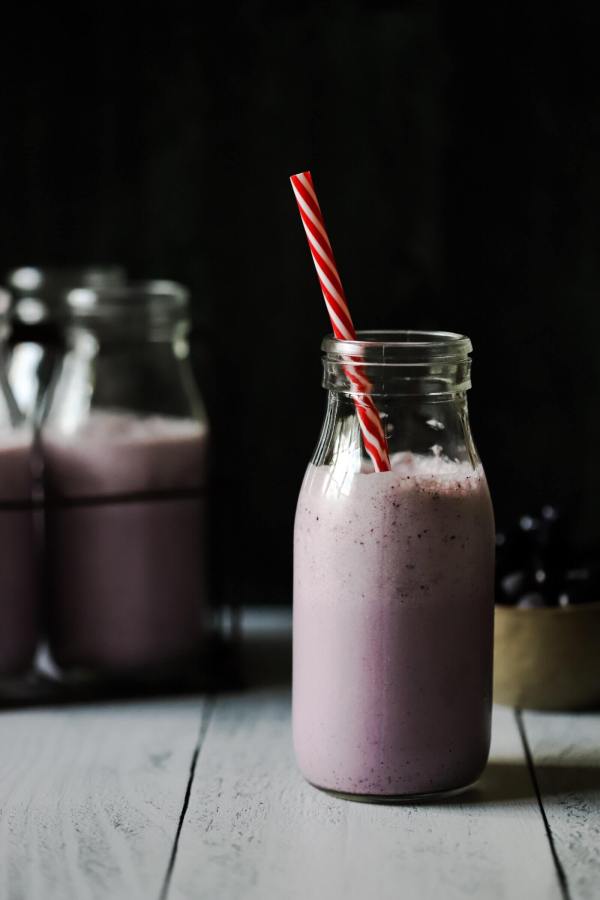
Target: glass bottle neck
x=88 y=339
x=102 y=370
x=421 y=425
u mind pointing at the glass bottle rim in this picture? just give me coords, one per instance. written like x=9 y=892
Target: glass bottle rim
x=38 y=290
x=155 y=300
x=53 y=280
x=399 y=347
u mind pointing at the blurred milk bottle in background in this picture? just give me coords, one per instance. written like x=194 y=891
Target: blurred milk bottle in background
x=124 y=444
x=19 y=606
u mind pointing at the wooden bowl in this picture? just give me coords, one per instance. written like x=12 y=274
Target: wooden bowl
x=548 y=658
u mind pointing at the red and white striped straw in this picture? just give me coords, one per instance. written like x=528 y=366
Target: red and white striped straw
x=337 y=306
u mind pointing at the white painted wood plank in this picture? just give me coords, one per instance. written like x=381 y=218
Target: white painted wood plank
x=90 y=798
x=566 y=754
x=255 y=829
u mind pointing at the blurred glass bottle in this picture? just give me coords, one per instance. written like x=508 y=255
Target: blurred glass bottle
x=124 y=447
x=36 y=339
x=18 y=571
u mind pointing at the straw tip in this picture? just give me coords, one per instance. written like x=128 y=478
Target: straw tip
x=301 y=175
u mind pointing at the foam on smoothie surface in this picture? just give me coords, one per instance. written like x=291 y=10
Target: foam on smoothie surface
x=115 y=452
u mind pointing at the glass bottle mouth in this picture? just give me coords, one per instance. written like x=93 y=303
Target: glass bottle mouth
x=38 y=290
x=400 y=363
x=399 y=347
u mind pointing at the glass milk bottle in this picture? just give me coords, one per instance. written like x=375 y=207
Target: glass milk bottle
x=124 y=446
x=36 y=339
x=393 y=579
x=18 y=581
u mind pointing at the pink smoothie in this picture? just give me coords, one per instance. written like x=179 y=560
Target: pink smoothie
x=393 y=613
x=126 y=541
x=18 y=583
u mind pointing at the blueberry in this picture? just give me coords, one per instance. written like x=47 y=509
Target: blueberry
x=512 y=584
x=550 y=513
x=530 y=525
x=532 y=559
x=533 y=600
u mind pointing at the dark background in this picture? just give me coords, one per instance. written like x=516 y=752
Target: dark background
x=455 y=151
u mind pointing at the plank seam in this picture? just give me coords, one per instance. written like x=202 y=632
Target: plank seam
x=562 y=878
x=208 y=710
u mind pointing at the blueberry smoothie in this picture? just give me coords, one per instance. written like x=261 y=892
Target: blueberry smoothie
x=126 y=560
x=393 y=618
x=18 y=581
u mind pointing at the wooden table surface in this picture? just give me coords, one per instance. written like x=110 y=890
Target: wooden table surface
x=200 y=798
